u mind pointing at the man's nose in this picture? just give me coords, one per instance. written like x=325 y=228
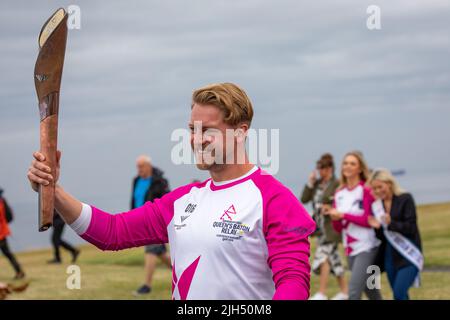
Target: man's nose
x=197 y=139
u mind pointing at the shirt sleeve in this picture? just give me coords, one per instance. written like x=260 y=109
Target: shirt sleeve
x=140 y=226
x=81 y=224
x=286 y=228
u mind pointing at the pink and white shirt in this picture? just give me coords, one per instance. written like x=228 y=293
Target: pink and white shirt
x=356 y=205
x=240 y=239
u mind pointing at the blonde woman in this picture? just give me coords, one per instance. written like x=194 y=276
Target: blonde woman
x=399 y=221
x=350 y=213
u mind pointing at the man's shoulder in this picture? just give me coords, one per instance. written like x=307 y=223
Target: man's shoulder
x=185 y=189
x=157 y=172
x=158 y=176
x=281 y=207
x=271 y=188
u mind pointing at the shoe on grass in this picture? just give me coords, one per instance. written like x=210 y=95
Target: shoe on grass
x=75 y=255
x=144 y=289
x=340 y=296
x=54 y=261
x=319 y=296
x=19 y=275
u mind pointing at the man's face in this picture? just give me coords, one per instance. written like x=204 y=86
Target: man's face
x=209 y=137
x=144 y=169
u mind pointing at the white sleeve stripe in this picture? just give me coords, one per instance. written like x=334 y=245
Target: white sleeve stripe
x=81 y=225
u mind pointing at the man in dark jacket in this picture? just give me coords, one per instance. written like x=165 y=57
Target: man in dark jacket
x=149 y=185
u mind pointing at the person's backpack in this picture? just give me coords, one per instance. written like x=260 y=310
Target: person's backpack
x=8 y=212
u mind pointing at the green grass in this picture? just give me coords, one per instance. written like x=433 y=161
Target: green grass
x=434 y=224
x=114 y=275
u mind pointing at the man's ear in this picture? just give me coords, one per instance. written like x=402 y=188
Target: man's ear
x=241 y=132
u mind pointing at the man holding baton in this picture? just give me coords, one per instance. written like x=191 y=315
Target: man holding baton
x=240 y=234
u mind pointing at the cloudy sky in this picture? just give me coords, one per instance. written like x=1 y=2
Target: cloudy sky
x=312 y=69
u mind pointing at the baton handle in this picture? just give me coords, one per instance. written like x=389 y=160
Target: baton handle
x=48 y=140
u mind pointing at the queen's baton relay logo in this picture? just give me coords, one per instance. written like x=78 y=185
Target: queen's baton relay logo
x=227 y=228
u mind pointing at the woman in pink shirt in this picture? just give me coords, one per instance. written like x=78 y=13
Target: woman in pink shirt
x=350 y=213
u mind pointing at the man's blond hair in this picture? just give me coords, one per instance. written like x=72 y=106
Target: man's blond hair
x=229 y=98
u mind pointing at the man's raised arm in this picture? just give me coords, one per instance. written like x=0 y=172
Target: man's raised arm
x=141 y=226
x=66 y=205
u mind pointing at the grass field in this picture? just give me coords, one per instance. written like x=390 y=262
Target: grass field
x=114 y=275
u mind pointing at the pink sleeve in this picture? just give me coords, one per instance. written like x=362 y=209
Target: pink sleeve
x=135 y=228
x=287 y=226
x=362 y=220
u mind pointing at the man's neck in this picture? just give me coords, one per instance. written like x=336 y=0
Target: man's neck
x=230 y=171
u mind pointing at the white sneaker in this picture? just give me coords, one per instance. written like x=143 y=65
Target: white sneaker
x=340 y=296
x=319 y=296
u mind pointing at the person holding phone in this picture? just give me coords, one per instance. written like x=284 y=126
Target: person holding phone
x=320 y=191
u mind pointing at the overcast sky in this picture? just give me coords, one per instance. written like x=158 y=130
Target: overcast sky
x=312 y=70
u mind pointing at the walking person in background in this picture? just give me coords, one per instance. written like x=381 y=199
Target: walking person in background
x=149 y=185
x=6 y=217
x=326 y=258
x=57 y=241
x=395 y=213
x=350 y=214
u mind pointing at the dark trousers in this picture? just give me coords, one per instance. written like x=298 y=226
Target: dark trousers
x=8 y=254
x=57 y=241
x=399 y=279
